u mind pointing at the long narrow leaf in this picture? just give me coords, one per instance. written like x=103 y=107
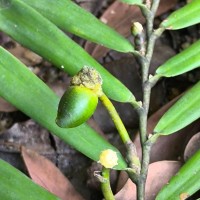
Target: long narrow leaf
x=28 y=93
x=183 y=62
x=34 y=31
x=16 y=186
x=71 y=17
x=182 y=113
x=183 y=17
x=185 y=182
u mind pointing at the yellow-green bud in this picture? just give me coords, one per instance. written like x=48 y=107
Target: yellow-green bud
x=108 y=158
x=136 y=28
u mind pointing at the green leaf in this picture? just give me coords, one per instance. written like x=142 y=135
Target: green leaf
x=182 y=113
x=137 y=2
x=35 y=32
x=183 y=62
x=186 y=181
x=71 y=17
x=16 y=186
x=28 y=93
x=183 y=17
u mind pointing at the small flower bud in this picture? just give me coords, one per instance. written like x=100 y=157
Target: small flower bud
x=136 y=29
x=108 y=158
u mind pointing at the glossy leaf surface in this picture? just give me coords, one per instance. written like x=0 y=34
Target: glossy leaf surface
x=132 y=1
x=183 y=17
x=70 y=17
x=183 y=62
x=35 y=32
x=29 y=94
x=182 y=113
x=185 y=182
x=16 y=186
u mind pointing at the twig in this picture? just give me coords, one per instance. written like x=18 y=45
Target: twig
x=144 y=170
x=154 y=6
x=133 y=160
x=105 y=184
x=147 y=84
x=116 y=119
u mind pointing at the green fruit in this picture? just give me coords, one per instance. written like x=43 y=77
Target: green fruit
x=76 y=106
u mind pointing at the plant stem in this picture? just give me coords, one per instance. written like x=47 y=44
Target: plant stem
x=145 y=163
x=154 y=6
x=142 y=125
x=116 y=119
x=146 y=85
x=143 y=176
x=144 y=171
x=149 y=16
x=133 y=160
x=146 y=96
x=105 y=184
x=151 y=43
x=148 y=3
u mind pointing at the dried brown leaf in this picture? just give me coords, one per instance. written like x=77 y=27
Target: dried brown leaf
x=192 y=146
x=46 y=174
x=119 y=16
x=24 y=55
x=6 y=107
x=159 y=175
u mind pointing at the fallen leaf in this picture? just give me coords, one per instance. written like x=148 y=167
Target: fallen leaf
x=122 y=179
x=192 y=146
x=159 y=174
x=5 y=106
x=46 y=174
x=24 y=55
x=119 y=16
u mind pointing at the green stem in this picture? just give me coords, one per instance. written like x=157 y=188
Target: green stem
x=136 y=104
x=116 y=119
x=105 y=184
x=132 y=158
x=154 y=79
